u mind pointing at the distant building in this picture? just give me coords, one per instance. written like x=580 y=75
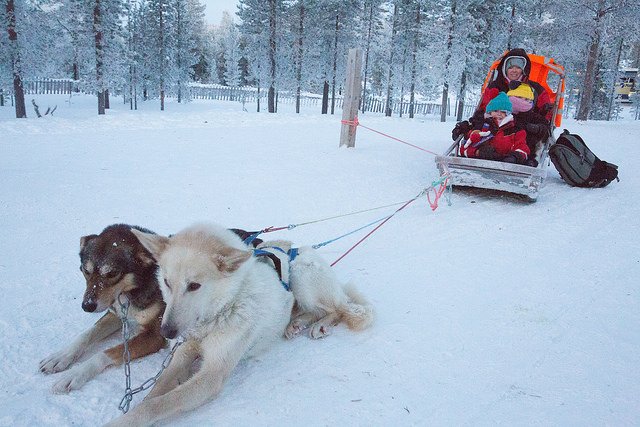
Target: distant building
x=626 y=84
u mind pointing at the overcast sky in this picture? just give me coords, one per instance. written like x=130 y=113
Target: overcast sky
x=215 y=8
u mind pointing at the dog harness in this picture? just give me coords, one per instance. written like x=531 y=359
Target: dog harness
x=279 y=257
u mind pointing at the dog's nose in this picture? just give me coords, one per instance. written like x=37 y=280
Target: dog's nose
x=89 y=306
x=168 y=331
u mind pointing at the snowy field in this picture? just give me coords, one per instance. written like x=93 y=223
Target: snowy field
x=490 y=311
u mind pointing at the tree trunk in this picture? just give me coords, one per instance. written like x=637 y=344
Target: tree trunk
x=388 y=109
x=513 y=17
x=335 y=65
x=414 y=64
x=299 y=56
x=131 y=85
x=178 y=34
x=447 y=64
x=461 y=93
x=404 y=67
x=592 y=61
x=258 y=110
x=366 y=58
x=612 y=94
x=99 y=48
x=21 y=109
x=272 y=56
x=325 y=97
x=162 y=56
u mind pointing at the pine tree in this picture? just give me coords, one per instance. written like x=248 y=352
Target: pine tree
x=370 y=33
x=254 y=27
x=160 y=19
x=15 y=58
x=228 y=51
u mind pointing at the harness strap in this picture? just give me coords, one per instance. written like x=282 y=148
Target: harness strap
x=249 y=238
x=278 y=257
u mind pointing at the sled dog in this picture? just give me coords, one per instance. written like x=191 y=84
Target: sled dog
x=113 y=263
x=228 y=305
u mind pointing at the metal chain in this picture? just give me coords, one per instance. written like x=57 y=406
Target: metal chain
x=126 y=335
x=126 y=355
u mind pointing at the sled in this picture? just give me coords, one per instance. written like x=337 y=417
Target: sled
x=508 y=177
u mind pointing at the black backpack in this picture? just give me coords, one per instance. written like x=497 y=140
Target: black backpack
x=577 y=164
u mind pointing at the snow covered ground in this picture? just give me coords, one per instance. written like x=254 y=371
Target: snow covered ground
x=490 y=311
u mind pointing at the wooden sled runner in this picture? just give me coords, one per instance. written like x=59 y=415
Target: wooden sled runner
x=509 y=177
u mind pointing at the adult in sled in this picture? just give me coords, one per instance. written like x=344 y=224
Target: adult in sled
x=513 y=70
x=499 y=138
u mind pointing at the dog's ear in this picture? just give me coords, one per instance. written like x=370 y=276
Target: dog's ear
x=85 y=239
x=230 y=259
x=144 y=257
x=154 y=243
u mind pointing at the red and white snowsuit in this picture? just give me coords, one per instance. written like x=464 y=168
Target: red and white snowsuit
x=505 y=139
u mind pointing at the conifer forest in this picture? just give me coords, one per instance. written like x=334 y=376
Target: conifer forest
x=137 y=51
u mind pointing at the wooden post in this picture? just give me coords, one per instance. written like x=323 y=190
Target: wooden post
x=352 y=96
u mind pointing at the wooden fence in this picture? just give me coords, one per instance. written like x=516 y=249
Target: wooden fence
x=51 y=86
x=374 y=105
x=246 y=94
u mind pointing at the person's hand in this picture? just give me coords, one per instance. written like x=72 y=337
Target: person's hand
x=476 y=135
x=465 y=149
x=511 y=158
x=537 y=130
x=461 y=128
x=515 y=157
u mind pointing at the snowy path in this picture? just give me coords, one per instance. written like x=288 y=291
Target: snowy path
x=489 y=311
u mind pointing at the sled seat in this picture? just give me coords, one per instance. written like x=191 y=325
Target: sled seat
x=493 y=175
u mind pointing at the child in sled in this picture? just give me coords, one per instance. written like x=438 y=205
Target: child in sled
x=499 y=139
x=522 y=97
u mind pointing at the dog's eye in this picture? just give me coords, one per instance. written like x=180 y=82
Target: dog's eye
x=110 y=274
x=193 y=286
x=166 y=283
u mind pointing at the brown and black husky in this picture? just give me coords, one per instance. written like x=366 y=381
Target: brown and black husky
x=114 y=264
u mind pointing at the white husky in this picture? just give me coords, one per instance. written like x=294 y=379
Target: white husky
x=227 y=305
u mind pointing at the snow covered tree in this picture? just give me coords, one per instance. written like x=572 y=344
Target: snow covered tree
x=299 y=49
x=333 y=31
x=15 y=58
x=228 y=51
x=98 y=31
x=189 y=31
x=391 y=63
x=451 y=29
x=160 y=45
x=370 y=33
x=593 y=21
x=258 y=27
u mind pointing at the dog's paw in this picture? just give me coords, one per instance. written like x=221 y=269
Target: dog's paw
x=57 y=362
x=294 y=328
x=68 y=382
x=78 y=376
x=319 y=330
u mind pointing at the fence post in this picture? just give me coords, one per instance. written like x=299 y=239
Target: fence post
x=352 y=95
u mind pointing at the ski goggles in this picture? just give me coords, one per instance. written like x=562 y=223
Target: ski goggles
x=514 y=61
